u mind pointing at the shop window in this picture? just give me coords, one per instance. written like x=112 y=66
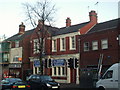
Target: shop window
x=59 y=71
x=54 y=70
x=63 y=70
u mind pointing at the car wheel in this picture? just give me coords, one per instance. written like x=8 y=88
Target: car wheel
x=101 y=88
x=42 y=88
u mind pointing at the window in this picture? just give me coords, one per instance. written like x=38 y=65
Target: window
x=59 y=71
x=5 y=57
x=95 y=45
x=86 y=46
x=62 y=44
x=54 y=45
x=72 y=43
x=63 y=70
x=36 y=46
x=17 y=44
x=108 y=75
x=104 y=43
x=15 y=59
x=54 y=70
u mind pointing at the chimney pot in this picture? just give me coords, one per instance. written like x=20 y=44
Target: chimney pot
x=93 y=16
x=21 y=28
x=68 y=22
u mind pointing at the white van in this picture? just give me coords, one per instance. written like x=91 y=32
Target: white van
x=111 y=78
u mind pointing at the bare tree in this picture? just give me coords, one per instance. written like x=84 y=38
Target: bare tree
x=43 y=11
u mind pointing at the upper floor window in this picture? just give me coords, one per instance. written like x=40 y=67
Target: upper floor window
x=95 y=45
x=54 y=45
x=36 y=46
x=104 y=43
x=72 y=43
x=62 y=43
x=17 y=44
x=86 y=46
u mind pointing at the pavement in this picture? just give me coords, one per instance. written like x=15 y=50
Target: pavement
x=73 y=86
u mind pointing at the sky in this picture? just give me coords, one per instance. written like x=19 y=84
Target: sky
x=12 y=13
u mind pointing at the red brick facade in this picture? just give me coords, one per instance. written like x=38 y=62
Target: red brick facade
x=110 y=55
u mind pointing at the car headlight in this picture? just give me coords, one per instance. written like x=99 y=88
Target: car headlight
x=48 y=85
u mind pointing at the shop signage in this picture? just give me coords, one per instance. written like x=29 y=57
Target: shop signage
x=14 y=65
x=58 y=62
x=36 y=63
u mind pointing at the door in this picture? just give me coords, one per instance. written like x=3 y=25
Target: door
x=107 y=79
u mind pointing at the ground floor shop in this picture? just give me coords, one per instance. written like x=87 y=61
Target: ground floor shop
x=57 y=67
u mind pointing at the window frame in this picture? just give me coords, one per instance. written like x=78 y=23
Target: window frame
x=72 y=43
x=58 y=71
x=104 y=45
x=62 y=44
x=95 y=45
x=54 y=45
x=105 y=76
x=17 y=44
x=86 y=48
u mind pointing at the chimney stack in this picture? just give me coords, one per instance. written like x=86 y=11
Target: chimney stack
x=93 y=16
x=68 y=22
x=21 y=28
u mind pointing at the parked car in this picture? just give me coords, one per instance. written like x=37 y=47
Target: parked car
x=42 y=82
x=14 y=84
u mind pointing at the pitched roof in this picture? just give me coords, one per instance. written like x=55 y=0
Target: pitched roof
x=20 y=37
x=73 y=28
x=52 y=30
x=105 y=26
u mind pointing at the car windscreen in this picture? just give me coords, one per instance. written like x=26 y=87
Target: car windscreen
x=46 y=78
x=12 y=80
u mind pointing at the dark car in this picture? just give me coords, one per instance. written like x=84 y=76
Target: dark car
x=14 y=84
x=42 y=82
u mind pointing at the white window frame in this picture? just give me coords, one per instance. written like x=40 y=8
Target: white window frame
x=36 y=46
x=59 y=71
x=16 y=44
x=104 y=43
x=72 y=43
x=54 y=45
x=62 y=44
x=94 y=45
x=86 y=47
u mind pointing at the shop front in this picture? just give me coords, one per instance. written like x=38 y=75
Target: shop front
x=15 y=70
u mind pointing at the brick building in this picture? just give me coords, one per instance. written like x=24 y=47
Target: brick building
x=61 y=44
x=102 y=39
x=18 y=52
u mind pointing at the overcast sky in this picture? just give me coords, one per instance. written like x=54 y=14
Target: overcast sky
x=12 y=13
